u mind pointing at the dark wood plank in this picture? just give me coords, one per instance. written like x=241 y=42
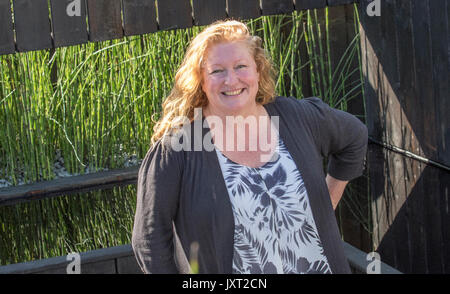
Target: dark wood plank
x=105 y=20
x=342 y=32
x=32 y=25
x=208 y=11
x=309 y=4
x=370 y=41
x=356 y=105
x=405 y=59
x=270 y=7
x=139 y=17
x=399 y=196
x=64 y=186
x=390 y=80
x=68 y=29
x=128 y=265
x=370 y=50
x=305 y=61
x=423 y=120
x=406 y=73
x=395 y=195
x=418 y=232
x=337 y=39
x=440 y=38
x=444 y=185
x=376 y=165
x=340 y=2
x=436 y=242
x=174 y=14
x=435 y=198
x=243 y=9
x=6 y=33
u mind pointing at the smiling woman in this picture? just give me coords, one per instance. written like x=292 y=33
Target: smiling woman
x=246 y=213
x=230 y=80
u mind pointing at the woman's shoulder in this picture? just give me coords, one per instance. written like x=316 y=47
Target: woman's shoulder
x=294 y=101
x=299 y=106
x=163 y=153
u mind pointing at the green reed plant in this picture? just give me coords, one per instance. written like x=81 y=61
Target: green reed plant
x=76 y=223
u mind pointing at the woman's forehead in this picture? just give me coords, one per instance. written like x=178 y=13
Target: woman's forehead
x=226 y=52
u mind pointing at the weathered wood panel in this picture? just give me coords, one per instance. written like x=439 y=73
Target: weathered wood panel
x=405 y=62
x=423 y=119
x=208 y=11
x=356 y=105
x=174 y=14
x=7 y=45
x=444 y=186
x=139 y=17
x=32 y=25
x=440 y=44
x=304 y=61
x=243 y=9
x=337 y=38
x=352 y=213
x=68 y=22
x=105 y=20
x=270 y=7
x=309 y=4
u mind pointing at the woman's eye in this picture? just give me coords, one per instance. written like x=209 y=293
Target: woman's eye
x=216 y=71
x=241 y=66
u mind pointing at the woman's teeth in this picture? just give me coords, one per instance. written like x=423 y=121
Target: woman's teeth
x=233 y=93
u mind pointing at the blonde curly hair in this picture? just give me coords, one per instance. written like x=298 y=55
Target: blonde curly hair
x=187 y=93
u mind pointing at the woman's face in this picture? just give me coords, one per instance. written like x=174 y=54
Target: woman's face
x=230 y=78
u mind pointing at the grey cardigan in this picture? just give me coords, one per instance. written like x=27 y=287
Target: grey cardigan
x=182 y=197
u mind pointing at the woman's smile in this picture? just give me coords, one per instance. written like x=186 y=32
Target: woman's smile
x=233 y=93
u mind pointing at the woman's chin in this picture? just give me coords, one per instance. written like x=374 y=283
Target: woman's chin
x=235 y=104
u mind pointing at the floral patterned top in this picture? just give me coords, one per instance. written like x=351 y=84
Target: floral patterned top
x=275 y=231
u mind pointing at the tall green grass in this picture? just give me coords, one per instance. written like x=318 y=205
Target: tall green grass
x=94 y=103
x=58 y=226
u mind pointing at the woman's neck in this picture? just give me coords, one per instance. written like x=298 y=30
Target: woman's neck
x=238 y=129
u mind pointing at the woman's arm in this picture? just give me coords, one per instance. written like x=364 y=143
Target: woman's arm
x=336 y=188
x=158 y=189
x=341 y=137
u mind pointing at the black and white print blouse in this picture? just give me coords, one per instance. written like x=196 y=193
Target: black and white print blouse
x=275 y=231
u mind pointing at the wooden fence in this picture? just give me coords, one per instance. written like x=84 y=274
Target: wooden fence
x=36 y=26
x=406 y=63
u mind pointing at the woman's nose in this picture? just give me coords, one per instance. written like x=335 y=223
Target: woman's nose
x=231 y=77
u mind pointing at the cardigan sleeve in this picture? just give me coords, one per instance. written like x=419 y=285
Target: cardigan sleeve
x=158 y=188
x=341 y=137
